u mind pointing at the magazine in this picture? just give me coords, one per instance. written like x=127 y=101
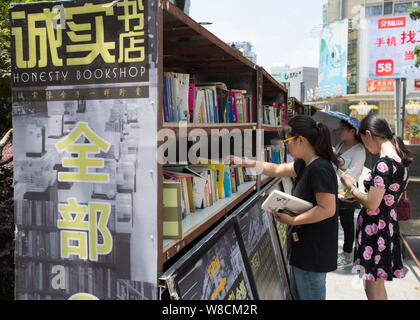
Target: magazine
x=278 y=200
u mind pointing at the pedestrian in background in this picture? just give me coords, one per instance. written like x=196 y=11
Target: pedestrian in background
x=377 y=252
x=314 y=243
x=352 y=154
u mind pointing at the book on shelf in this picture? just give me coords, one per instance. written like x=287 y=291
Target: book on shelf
x=273 y=154
x=176 y=90
x=272 y=114
x=210 y=102
x=172 y=209
x=200 y=186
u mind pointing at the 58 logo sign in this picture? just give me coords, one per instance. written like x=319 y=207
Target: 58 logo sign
x=385 y=67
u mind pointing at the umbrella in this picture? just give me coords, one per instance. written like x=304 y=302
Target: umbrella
x=332 y=120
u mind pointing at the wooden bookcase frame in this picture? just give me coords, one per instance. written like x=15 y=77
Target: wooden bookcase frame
x=186 y=46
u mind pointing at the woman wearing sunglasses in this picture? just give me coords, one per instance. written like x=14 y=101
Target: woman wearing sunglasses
x=314 y=242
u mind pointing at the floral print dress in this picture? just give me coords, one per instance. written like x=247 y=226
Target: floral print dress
x=377 y=245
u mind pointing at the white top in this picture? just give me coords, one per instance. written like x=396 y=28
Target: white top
x=353 y=160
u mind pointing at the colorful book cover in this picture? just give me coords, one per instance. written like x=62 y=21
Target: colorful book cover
x=232 y=94
x=231 y=115
x=172 y=210
x=239 y=107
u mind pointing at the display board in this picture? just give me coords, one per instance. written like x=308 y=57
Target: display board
x=283 y=229
x=263 y=250
x=213 y=270
x=84 y=89
x=392 y=42
x=240 y=259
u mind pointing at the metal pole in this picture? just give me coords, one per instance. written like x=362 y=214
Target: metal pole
x=397 y=105
x=404 y=90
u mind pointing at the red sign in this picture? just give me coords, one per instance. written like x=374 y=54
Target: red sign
x=391 y=23
x=384 y=67
x=380 y=85
x=417 y=84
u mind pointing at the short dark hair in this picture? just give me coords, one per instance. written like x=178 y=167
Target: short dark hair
x=350 y=127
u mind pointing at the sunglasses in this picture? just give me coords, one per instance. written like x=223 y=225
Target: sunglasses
x=285 y=141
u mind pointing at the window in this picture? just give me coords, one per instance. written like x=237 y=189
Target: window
x=388 y=7
x=373 y=10
x=402 y=7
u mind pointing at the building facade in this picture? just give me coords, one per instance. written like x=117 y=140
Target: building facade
x=361 y=85
x=245 y=48
x=296 y=80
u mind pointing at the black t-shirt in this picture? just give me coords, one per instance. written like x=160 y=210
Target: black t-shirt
x=317 y=247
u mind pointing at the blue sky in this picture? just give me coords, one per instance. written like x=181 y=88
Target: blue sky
x=281 y=32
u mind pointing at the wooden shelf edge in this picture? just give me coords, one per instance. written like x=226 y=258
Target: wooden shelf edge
x=207 y=127
x=174 y=247
x=196 y=27
x=273 y=81
x=265 y=180
x=268 y=127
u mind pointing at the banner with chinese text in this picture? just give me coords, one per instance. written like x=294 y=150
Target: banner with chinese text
x=392 y=42
x=84 y=88
x=380 y=85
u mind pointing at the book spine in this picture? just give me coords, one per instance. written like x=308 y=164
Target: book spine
x=191 y=99
x=234 y=107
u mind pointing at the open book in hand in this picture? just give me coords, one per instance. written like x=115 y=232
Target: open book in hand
x=278 y=200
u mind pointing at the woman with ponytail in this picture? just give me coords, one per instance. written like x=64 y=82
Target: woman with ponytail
x=314 y=242
x=377 y=252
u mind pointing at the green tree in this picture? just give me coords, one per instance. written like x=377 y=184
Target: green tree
x=415 y=14
x=6 y=172
x=5 y=91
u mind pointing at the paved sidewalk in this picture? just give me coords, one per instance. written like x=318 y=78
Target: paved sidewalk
x=342 y=284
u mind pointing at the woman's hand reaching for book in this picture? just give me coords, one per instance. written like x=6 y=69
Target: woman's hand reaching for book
x=237 y=162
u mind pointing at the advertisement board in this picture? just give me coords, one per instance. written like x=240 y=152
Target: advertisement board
x=380 y=85
x=264 y=252
x=391 y=47
x=240 y=259
x=84 y=85
x=214 y=269
x=332 y=76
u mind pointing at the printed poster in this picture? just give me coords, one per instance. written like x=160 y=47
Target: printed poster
x=332 y=75
x=84 y=84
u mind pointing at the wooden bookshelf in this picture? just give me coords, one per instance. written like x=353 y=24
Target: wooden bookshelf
x=270 y=128
x=187 y=47
x=196 y=223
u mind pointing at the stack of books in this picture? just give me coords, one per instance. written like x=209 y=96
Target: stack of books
x=273 y=154
x=188 y=188
x=273 y=114
x=209 y=102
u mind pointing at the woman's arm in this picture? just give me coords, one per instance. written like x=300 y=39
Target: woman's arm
x=267 y=168
x=370 y=200
x=325 y=208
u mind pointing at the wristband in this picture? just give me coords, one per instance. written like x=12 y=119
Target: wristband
x=352 y=190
